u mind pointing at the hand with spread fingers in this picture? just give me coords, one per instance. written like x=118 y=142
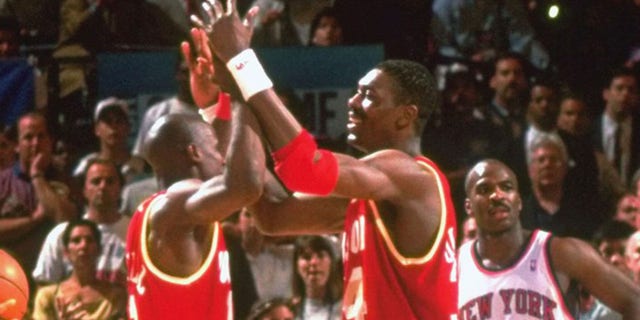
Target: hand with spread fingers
x=201 y=70
x=228 y=34
x=207 y=70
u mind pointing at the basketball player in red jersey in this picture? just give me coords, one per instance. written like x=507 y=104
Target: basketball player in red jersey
x=393 y=204
x=177 y=261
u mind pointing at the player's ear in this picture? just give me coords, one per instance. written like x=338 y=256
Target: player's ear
x=408 y=114
x=193 y=153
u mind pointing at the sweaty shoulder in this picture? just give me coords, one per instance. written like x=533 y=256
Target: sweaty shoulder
x=412 y=178
x=569 y=256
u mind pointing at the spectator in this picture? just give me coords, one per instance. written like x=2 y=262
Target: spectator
x=462 y=119
x=506 y=110
x=574 y=127
x=469 y=230
x=102 y=186
x=261 y=267
x=326 y=29
x=82 y=295
x=272 y=309
x=632 y=256
x=617 y=132
x=317 y=281
x=550 y=207
x=542 y=115
x=610 y=240
x=285 y=23
x=574 y=115
x=628 y=209
x=33 y=195
x=111 y=126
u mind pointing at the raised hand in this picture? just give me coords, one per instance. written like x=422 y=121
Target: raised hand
x=201 y=70
x=228 y=35
x=206 y=67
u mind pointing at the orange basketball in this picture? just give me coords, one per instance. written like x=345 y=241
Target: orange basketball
x=14 y=288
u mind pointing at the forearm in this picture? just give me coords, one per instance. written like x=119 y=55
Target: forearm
x=279 y=125
x=245 y=161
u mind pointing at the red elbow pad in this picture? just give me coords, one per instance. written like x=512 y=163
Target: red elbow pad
x=299 y=170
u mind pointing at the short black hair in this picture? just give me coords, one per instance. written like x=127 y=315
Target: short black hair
x=612 y=230
x=414 y=85
x=97 y=235
x=618 y=72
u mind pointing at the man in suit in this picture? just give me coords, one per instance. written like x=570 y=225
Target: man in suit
x=617 y=131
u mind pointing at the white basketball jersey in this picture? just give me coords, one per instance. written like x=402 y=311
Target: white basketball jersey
x=525 y=290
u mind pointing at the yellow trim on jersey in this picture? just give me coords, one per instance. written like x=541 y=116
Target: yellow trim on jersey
x=441 y=229
x=157 y=272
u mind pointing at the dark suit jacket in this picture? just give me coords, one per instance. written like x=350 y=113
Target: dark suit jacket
x=634 y=163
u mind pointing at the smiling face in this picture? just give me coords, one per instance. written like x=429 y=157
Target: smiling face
x=492 y=197
x=372 y=111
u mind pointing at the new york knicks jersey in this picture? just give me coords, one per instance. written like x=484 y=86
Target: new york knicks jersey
x=525 y=290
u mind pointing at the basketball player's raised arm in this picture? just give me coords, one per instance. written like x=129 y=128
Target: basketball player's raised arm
x=299 y=163
x=241 y=182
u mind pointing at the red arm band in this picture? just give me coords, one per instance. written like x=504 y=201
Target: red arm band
x=223 y=110
x=299 y=170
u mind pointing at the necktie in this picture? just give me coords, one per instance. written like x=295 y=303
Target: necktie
x=617 y=150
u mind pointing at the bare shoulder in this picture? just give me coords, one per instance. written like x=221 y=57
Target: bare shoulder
x=169 y=209
x=572 y=256
x=404 y=170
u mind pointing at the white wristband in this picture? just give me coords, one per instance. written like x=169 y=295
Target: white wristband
x=249 y=74
x=208 y=113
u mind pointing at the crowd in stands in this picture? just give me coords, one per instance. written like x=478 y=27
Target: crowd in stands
x=564 y=118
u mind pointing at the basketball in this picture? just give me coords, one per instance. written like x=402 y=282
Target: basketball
x=14 y=288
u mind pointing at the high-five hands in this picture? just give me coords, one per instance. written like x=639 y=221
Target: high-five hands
x=228 y=34
x=201 y=69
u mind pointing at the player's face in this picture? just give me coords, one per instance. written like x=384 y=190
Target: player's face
x=102 y=186
x=493 y=198
x=372 y=112
x=314 y=268
x=83 y=247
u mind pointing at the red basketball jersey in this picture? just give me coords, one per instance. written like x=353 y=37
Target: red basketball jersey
x=206 y=294
x=382 y=284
